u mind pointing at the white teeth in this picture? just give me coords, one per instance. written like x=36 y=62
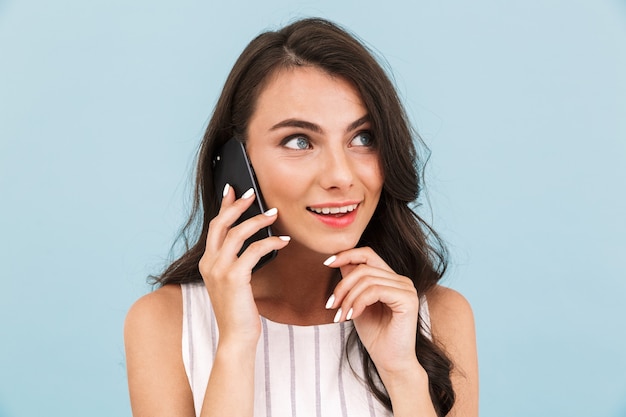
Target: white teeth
x=333 y=210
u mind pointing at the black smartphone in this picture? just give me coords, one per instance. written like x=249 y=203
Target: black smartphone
x=232 y=166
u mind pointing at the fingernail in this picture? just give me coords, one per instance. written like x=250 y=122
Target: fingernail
x=349 y=315
x=226 y=188
x=285 y=238
x=330 y=302
x=337 y=316
x=271 y=212
x=330 y=260
x=248 y=193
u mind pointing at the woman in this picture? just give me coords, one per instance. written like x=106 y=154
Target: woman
x=348 y=319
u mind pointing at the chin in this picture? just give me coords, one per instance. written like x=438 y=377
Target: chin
x=323 y=242
x=331 y=245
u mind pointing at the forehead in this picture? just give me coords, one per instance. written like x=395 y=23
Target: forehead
x=307 y=92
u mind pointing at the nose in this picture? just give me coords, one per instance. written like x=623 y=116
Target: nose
x=336 y=170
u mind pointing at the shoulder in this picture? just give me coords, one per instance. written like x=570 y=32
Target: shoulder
x=162 y=307
x=155 y=320
x=152 y=336
x=451 y=318
x=448 y=307
x=453 y=328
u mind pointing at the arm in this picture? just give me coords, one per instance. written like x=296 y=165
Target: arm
x=230 y=389
x=384 y=306
x=157 y=381
x=409 y=391
x=452 y=325
x=156 y=376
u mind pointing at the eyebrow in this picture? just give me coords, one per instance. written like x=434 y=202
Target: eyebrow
x=303 y=124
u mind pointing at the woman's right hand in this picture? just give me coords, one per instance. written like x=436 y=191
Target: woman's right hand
x=227 y=276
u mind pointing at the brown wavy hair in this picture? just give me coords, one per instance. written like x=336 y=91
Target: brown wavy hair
x=396 y=232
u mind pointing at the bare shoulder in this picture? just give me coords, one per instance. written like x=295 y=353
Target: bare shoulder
x=160 y=306
x=153 y=327
x=452 y=319
x=448 y=308
x=453 y=328
x=152 y=337
x=154 y=324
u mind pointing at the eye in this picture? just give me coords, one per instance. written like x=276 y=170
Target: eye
x=297 y=143
x=362 y=139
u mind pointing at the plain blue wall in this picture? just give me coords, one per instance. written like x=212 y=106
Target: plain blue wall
x=102 y=104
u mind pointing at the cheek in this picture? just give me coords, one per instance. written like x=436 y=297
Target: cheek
x=280 y=184
x=371 y=174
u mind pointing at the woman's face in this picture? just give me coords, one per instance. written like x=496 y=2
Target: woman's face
x=310 y=145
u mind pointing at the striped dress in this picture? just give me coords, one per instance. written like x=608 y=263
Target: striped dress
x=299 y=370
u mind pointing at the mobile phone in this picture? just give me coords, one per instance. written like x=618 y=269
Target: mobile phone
x=232 y=166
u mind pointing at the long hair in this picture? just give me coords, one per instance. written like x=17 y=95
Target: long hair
x=395 y=231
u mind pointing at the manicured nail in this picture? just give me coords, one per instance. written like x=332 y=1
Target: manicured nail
x=271 y=212
x=248 y=193
x=349 y=315
x=226 y=188
x=330 y=260
x=337 y=316
x=330 y=302
x=285 y=238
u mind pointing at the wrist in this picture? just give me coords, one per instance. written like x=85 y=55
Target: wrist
x=408 y=390
x=412 y=375
x=237 y=336
x=236 y=348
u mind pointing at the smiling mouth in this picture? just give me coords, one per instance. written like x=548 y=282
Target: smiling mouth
x=333 y=210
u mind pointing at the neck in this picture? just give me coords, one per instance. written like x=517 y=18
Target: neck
x=294 y=287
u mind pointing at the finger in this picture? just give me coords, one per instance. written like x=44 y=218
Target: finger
x=230 y=211
x=356 y=256
x=359 y=272
x=253 y=253
x=399 y=301
x=228 y=196
x=365 y=284
x=236 y=236
x=227 y=260
x=364 y=275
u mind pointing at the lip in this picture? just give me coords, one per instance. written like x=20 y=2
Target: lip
x=338 y=220
x=336 y=204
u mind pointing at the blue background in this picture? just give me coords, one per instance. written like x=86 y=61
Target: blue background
x=523 y=104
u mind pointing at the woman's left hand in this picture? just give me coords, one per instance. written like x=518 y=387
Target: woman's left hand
x=383 y=305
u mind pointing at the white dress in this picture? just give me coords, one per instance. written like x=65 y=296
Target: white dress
x=299 y=370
